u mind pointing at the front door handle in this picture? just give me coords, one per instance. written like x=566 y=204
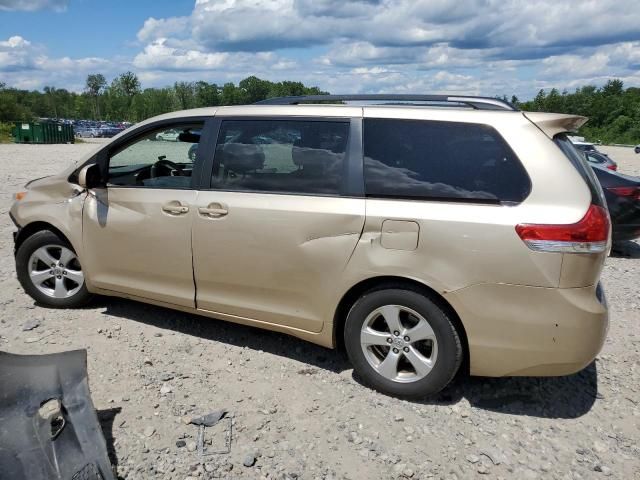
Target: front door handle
x=175 y=208
x=213 y=210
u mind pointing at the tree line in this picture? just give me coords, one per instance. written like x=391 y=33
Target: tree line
x=613 y=110
x=124 y=99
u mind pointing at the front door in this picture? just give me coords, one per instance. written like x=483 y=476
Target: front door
x=275 y=230
x=137 y=230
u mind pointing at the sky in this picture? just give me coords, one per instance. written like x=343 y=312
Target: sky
x=476 y=47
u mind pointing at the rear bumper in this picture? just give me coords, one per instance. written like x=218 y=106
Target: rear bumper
x=517 y=330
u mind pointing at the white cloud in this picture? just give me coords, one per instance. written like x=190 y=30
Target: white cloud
x=489 y=47
x=158 y=55
x=32 y=5
x=25 y=65
x=516 y=28
x=161 y=55
x=16 y=53
x=154 y=29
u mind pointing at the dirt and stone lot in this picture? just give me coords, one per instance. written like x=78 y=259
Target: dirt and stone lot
x=298 y=412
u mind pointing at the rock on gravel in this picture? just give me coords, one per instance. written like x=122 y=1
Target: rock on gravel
x=300 y=406
x=30 y=325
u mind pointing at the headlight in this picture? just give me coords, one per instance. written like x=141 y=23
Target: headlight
x=19 y=196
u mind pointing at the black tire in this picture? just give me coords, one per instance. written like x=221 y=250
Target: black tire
x=27 y=248
x=449 y=347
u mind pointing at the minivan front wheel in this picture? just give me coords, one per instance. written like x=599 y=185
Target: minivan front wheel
x=49 y=271
x=402 y=343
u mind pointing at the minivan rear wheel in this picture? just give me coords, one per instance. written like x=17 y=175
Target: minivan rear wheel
x=49 y=271
x=402 y=343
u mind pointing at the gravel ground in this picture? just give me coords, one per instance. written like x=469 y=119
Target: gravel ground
x=297 y=410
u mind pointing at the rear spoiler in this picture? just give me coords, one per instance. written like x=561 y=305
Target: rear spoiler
x=554 y=123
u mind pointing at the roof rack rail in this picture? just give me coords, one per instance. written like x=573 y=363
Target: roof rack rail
x=477 y=103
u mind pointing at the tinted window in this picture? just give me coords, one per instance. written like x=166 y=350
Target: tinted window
x=281 y=156
x=162 y=158
x=578 y=160
x=440 y=161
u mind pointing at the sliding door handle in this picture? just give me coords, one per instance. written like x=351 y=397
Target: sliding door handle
x=213 y=210
x=175 y=208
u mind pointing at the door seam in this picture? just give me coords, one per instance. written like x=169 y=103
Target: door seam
x=193 y=266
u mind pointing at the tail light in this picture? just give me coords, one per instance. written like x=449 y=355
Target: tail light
x=612 y=166
x=589 y=235
x=633 y=193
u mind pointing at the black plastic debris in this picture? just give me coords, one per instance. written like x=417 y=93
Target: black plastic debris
x=48 y=425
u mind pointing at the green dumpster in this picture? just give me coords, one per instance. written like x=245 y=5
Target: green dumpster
x=43 y=132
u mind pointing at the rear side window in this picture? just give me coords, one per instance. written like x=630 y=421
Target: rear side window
x=285 y=156
x=446 y=161
x=579 y=161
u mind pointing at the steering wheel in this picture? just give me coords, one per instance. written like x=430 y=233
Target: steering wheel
x=163 y=162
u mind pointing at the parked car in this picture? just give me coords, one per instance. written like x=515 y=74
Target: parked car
x=622 y=193
x=637 y=149
x=416 y=237
x=586 y=147
x=108 y=132
x=170 y=135
x=601 y=159
x=87 y=133
x=193 y=149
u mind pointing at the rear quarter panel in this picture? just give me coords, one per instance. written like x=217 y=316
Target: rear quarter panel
x=462 y=244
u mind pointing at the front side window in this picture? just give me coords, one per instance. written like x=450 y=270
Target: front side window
x=281 y=156
x=162 y=158
x=446 y=161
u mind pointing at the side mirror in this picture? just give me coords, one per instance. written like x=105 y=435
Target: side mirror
x=89 y=176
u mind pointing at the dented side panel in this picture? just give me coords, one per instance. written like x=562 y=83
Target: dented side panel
x=274 y=258
x=135 y=247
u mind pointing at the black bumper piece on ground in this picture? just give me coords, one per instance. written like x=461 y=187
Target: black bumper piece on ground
x=48 y=425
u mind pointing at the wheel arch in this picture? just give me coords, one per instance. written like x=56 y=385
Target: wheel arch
x=35 y=227
x=384 y=282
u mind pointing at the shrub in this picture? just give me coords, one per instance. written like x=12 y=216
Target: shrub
x=6 y=132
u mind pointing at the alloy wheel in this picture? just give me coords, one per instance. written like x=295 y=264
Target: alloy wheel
x=399 y=343
x=55 y=271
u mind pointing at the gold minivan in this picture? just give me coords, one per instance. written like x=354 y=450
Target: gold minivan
x=420 y=233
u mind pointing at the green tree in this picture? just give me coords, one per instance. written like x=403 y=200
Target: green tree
x=613 y=87
x=252 y=89
x=95 y=84
x=206 y=94
x=231 y=95
x=51 y=100
x=120 y=95
x=128 y=83
x=185 y=95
